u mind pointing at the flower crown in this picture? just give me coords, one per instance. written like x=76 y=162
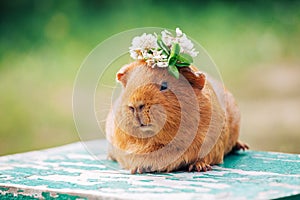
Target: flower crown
x=164 y=50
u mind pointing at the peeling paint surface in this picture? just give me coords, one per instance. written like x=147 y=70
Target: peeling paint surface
x=71 y=172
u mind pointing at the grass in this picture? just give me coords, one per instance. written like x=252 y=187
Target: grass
x=44 y=44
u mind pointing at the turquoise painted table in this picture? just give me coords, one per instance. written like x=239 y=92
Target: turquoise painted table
x=71 y=172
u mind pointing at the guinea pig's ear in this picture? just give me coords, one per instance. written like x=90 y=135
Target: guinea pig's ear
x=122 y=75
x=196 y=79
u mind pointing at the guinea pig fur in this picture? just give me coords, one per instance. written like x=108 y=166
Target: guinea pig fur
x=163 y=124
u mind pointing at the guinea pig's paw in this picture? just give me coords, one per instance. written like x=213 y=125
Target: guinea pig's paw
x=140 y=170
x=240 y=145
x=199 y=166
x=110 y=157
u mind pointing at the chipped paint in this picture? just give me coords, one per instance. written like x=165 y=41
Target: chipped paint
x=70 y=172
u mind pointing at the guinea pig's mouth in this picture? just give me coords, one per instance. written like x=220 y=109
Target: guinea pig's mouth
x=146 y=127
x=147 y=131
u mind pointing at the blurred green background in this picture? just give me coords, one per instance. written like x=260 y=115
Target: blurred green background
x=255 y=44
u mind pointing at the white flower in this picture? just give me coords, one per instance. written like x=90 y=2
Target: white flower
x=186 y=45
x=167 y=38
x=178 y=32
x=150 y=62
x=162 y=64
x=142 y=43
x=145 y=47
x=156 y=58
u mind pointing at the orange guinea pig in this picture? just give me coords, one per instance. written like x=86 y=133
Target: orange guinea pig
x=163 y=124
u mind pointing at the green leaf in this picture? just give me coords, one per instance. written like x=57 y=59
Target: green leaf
x=173 y=71
x=172 y=61
x=182 y=64
x=175 y=50
x=174 y=53
x=185 y=58
x=162 y=45
x=164 y=53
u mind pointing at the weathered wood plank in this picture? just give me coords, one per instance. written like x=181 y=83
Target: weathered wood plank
x=70 y=172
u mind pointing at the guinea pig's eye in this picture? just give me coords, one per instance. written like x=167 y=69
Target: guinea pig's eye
x=164 y=86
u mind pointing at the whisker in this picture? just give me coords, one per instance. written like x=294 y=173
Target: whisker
x=104 y=100
x=101 y=121
x=104 y=106
x=108 y=86
x=104 y=109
